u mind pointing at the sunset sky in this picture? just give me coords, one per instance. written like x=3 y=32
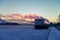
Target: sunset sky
x=49 y=9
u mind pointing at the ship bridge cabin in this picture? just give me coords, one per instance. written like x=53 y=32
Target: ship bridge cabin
x=41 y=23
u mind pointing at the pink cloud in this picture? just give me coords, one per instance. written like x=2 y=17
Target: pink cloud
x=19 y=16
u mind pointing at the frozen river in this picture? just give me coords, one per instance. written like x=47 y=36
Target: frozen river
x=28 y=33
x=16 y=26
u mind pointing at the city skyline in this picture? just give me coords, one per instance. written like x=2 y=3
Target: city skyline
x=49 y=9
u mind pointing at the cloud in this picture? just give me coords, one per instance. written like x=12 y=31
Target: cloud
x=31 y=16
x=28 y=17
x=23 y=18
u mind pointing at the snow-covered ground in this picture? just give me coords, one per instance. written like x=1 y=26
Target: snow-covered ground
x=29 y=33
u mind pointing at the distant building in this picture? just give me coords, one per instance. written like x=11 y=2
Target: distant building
x=2 y=21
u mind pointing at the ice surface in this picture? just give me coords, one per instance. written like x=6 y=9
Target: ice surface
x=27 y=33
x=54 y=34
x=23 y=34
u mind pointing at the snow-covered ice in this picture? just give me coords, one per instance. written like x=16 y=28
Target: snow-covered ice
x=23 y=34
x=54 y=34
x=28 y=33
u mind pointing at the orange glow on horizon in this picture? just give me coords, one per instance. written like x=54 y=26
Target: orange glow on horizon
x=53 y=20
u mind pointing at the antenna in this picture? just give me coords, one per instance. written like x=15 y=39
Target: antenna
x=0 y=16
x=59 y=18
